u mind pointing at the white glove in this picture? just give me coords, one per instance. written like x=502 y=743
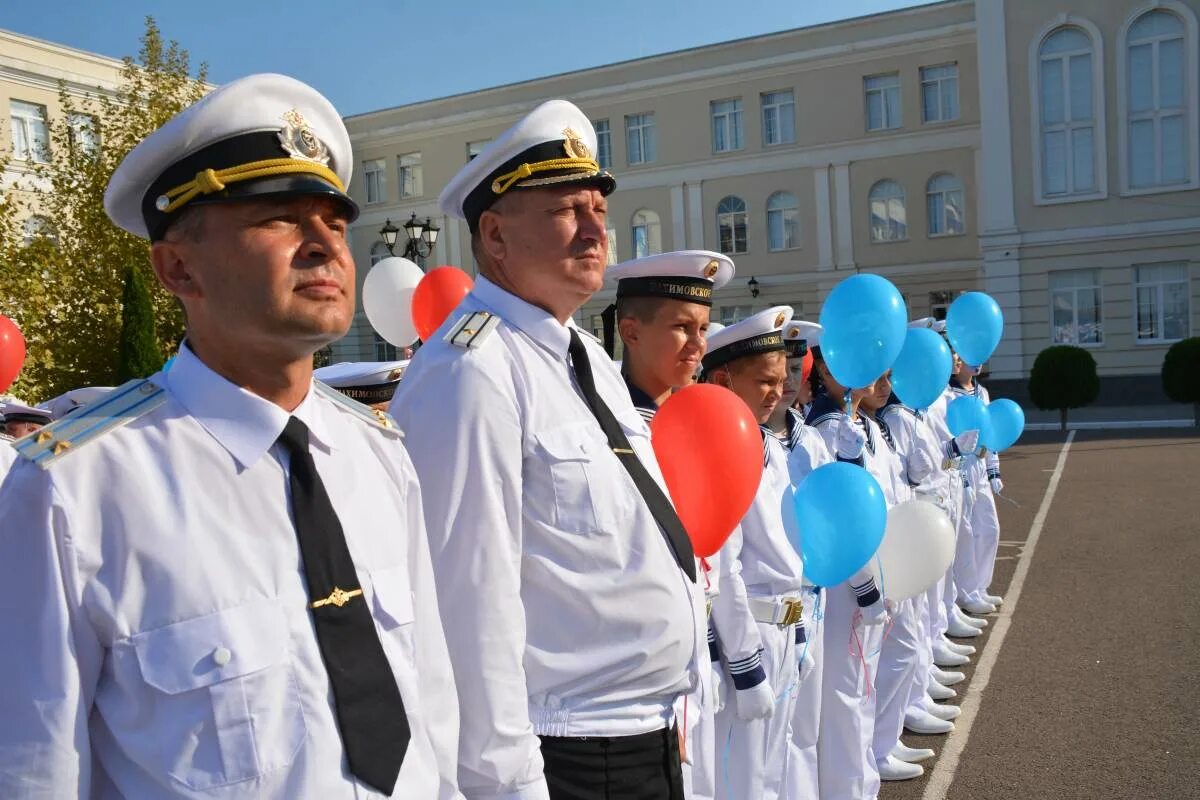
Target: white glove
x=997 y=485
x=966 y=442
x=850 y=439
x=757 y=702
x=718 y=687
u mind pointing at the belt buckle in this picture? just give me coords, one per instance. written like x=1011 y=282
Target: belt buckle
x=793 y=611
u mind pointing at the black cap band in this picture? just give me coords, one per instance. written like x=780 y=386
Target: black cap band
x=763 y=343
x=796 y=348
x=689 y=290
x=379 y=393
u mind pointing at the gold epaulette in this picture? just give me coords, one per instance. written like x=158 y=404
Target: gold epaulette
x=472 y=329
x=86 y=423
x=379 y=419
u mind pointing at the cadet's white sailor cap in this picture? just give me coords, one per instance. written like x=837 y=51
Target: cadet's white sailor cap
x=923 y=322
x=760 y=333
x=19 y=412
x=799 y=336
x=713 y=329
x=939 y=326
x=64 y=404
x=365 y=381
x=688 y=275
x=261 y=135
x=553 y=144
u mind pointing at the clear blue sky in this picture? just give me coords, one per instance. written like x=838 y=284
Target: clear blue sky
x=371 y=54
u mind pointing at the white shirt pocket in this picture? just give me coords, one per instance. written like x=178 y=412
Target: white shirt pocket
x=571 y=470
x=226 y=705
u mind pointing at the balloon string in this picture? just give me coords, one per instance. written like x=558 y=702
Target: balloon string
x=856 y=651
x=1007 y=499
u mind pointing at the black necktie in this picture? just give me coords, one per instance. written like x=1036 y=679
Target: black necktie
x=370 y=711
x=664 y=513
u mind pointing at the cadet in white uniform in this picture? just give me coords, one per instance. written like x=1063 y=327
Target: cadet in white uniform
x=565 y=577
x=227 y=562
x=662 y=316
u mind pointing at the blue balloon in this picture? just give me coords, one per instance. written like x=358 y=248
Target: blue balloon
x=841 y=516
x=974 y=324
x=1006 y=422
x=922 y=369
x=968 y=413
x=864 y=323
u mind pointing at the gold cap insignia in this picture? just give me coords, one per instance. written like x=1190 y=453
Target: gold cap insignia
x=300 y=141
x=395 y=374
x=779 y=320
x=793 y=333
x=712 y=268
x=574 y=146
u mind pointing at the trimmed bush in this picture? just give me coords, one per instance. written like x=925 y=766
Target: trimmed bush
x=138 y=352
x=1063 y=377
x=1181 y=374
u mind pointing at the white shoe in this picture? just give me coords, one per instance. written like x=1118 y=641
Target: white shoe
x=911 y=754
x=945 y=657
x=960 y=630
x=947 y=677
x=920 y=721
x=961 y=649
x=994 y=599
x=977 y=606
x=937 y=691
x=947 y=713
x=893 y=769
x=975 y=622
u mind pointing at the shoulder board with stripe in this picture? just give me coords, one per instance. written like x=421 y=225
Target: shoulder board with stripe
x=371 y=416
x=62 y=437
x=590 y=335
x=472 y=329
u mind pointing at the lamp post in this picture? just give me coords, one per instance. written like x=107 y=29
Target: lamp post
x=753 y=284
x=421 y=238
x=388 y=233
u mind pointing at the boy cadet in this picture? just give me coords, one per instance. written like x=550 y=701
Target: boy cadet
x=761 y=575
x=22 y=420
x=228 y=561
x=372 y=383
x=565 y=576
x=662 y=312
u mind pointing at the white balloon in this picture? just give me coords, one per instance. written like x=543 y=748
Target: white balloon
x=917 y=549
x=387 y=299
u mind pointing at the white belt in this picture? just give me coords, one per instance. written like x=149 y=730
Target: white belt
x=776 y=610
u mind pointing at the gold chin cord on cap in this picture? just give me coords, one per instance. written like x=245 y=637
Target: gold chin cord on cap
x=505 y=182
x=209 y=181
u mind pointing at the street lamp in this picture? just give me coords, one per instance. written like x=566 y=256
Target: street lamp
x=388 y=233
x=421 y=238
x=753 y=284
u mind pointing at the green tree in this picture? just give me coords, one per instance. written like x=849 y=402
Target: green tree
x=1063 y=377
x=1181 y=374
x=65 y=290
x=138 y=354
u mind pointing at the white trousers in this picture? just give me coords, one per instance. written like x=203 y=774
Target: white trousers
x=985 y=530
x=699 y=719
x=927 y=630
x=801 y=780
x=752 y=756
x=846 y=768
x=899 y=661
x=964 y=551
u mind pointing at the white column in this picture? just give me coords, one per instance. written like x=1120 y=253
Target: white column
x=678 y=218
x=824 y=218
x=453 y=234
x=844 y=218
x=695 y=202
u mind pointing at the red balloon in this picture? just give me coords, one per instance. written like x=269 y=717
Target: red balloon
x=12 y=352
x=710 y=451
x=438 y=293
x=806 y=366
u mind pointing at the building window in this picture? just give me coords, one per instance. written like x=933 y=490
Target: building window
x=732 y=314
x=612 y=246
x=1075 y=313
x=475 y=148
x=646 y=234
x=888 y=220
x=30 y=141
x=783 y=221
x=37 y=227
x=939 y=93
x=379 y=252
x=1067 y=113
x=375 y=173
x=639 y=138
x=778 y=118
x=731 y=225
x=603 y=143
x=726 y=125
x=944 y=200
x=883 y=101
x=84 y=133
x=939 y=304
x=1163 y=308
x=1157 y=88
x=409 y=168
x=385 y=350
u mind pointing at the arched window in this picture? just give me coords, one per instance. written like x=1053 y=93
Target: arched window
x=1067 y=113
x=646 y=234
x=1159 y=88
x=944 y=200
x=888 y=220
x=783 y=221
x=731 y=225
x=379 y=252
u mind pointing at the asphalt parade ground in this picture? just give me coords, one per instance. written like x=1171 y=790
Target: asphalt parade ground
x=1084 y=682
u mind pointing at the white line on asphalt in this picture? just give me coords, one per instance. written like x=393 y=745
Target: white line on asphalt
x=956 y=742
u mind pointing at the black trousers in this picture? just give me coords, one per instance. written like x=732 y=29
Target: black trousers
x=642 y=767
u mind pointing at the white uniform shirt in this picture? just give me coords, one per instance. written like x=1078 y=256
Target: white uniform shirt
x=565 y=612
x=921 y=454
x=8 y=455
x=156 y=613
